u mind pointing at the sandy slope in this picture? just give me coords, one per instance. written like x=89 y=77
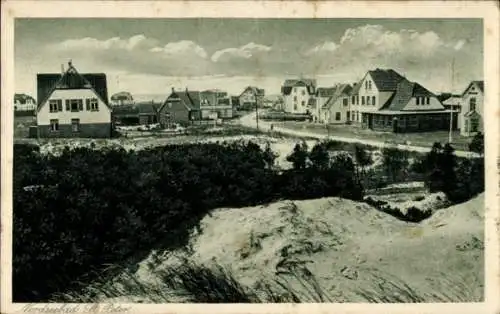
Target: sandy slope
x=343 y=243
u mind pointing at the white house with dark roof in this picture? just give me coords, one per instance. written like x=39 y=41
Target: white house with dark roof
x=384 y=100
x=472 y=109
x=320 y=99
x=251 y=97
x=71 y=104
x=336 y=110
x=296 y=95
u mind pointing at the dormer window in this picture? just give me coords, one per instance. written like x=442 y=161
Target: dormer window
x=472 y=104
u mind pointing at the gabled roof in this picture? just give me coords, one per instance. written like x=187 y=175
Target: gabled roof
x=385 y=80
x=342 y=90
x=23 y=98
x=288 y=85
x=47 y=83
x=479 y=84
x=122 y=96
x=191 y=99
x=452 y=100
x=405 y=90
x=255 y=90
x=325 y=91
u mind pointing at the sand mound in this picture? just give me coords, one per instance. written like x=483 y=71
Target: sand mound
x=343 y=243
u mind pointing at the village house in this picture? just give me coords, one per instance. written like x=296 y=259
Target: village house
x=251 y=97
x=316 y=103
x=180 y=107
x=215 y=104
x=384 y=100
x=336 y=110
x=122 y=99
x=71 y=104
x=296 y=95
x=454 y=103
x=23 y=103
x=472 y=109
x=142 y=113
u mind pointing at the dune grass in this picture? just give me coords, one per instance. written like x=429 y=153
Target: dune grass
x=189 y=282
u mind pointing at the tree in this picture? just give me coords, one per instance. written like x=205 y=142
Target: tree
x=395 y=162
x=299 y=156
x=269 y=156
x=319 y=156
x=477 y=144
x=363 y=158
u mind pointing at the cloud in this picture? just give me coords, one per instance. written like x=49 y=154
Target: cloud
x=89 y=43
x=137 y=54
x=181 y=48
x=459 y=45
x=244 y=52
x=327 y=46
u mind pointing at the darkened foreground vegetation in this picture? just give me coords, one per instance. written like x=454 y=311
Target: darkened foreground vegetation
x=82 y=210
x=86 y=208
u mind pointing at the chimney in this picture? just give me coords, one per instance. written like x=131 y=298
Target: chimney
x=173 y=90
x=70 y=63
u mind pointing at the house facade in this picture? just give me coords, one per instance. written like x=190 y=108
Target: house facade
x=318 y=102
x=122 y=99
x=215 y=104
x=251 y=97
x=142 y=113
x=454 y=103
x=296 y=95
x=472 y=109
x=23 y=102
x=384 y=100
x=73 y=105
x=336 y=110
x=182 y=107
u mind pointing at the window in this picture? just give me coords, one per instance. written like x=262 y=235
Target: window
x=94 y=104
x=295 y=89
x=353 y=100
x=344 y=101
x=427 y=100
x=369 y=85
x=303 y=103
x=366 y=84
x=337 y=116
x=74 y=105
x=348 y=115
x=54 y=125
x=373 y=100
x=295 y=106
x=474 y=124
x=472 y=104
x=294 y=98
x=303 y=92
x=75 y=125
x=368 y=100
x=55 y=105
x=362 y=100
x=418 y=100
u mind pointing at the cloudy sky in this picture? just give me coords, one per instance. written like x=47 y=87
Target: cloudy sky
x=150 y=56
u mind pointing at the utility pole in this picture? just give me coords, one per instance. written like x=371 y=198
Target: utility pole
x=452 y=103
x=257 y=113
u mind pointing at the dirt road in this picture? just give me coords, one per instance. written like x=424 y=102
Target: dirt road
x=249 y=121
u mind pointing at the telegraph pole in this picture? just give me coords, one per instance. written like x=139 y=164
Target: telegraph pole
x=452 y=103
x=257 y=113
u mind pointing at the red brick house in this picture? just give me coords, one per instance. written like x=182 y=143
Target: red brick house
x=181 y=107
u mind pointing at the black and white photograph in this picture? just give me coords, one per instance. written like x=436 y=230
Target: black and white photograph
x=257 y=159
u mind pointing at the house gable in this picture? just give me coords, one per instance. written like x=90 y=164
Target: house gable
x=474 y=88
x=47 y=84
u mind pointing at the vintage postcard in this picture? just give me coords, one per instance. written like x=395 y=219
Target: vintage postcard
x=250 y=157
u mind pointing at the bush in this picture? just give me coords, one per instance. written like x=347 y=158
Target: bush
x=97 y=207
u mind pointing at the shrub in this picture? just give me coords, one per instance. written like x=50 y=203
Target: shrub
x=96 y=207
